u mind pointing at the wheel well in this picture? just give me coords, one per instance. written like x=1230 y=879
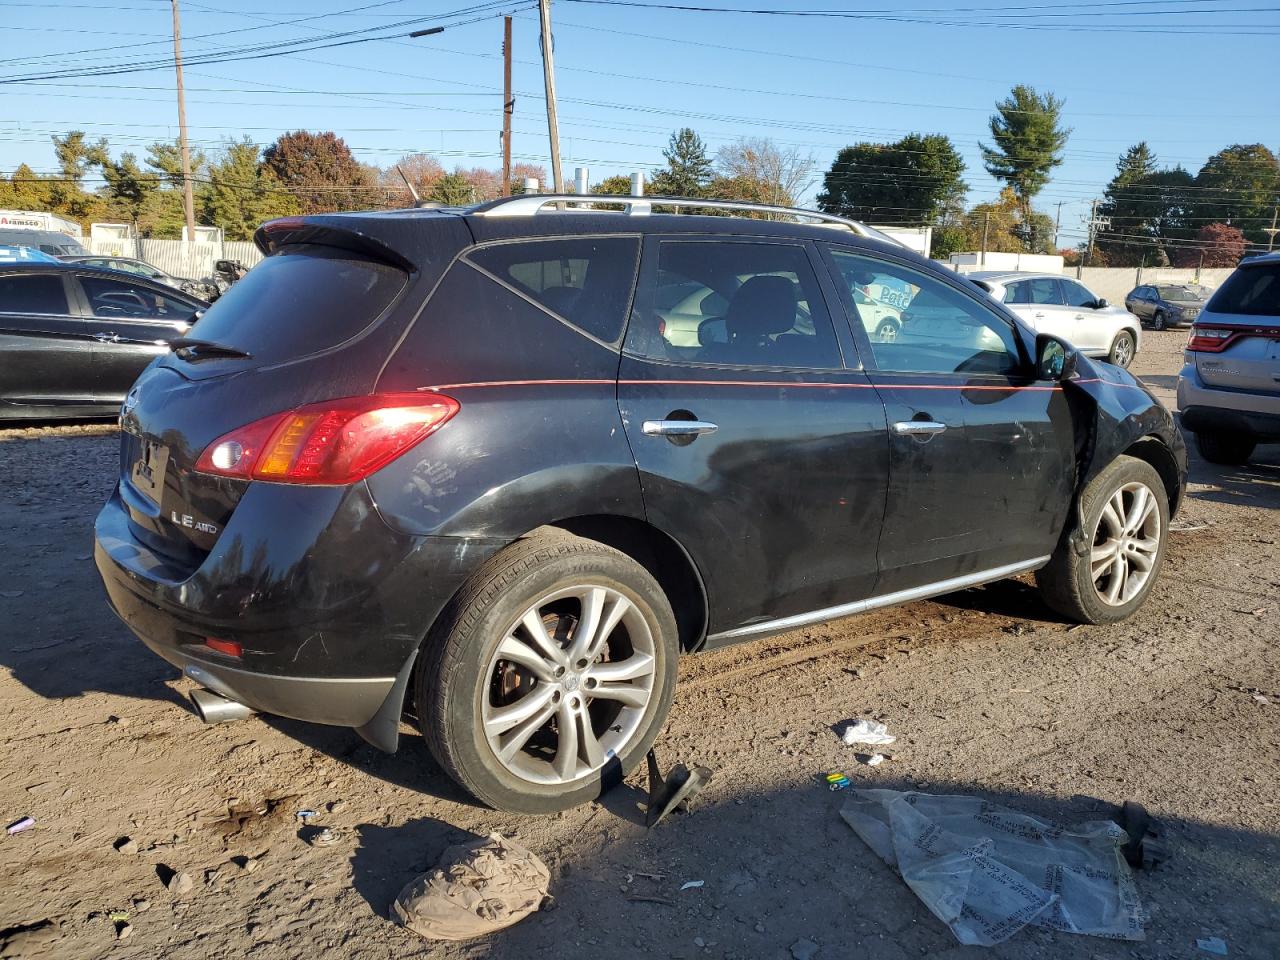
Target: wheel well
x=664 y=559
x=1153 y=451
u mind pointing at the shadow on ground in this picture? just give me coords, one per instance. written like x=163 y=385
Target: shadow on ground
x=780 y=867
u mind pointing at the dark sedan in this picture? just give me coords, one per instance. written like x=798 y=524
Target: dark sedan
x=1164 y=305
x=73 y=339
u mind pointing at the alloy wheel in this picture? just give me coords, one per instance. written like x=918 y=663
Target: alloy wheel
x=886 y=333
x=569 y=685
x=1123 y=350
x=1126 y=543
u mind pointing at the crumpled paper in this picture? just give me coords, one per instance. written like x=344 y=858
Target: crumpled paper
x=478 y=887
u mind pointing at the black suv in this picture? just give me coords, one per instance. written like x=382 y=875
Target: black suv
x=497 y=468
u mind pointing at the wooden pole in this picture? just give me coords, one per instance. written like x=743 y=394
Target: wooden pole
x=188 y=200
x=549 y=79
x=508 y=106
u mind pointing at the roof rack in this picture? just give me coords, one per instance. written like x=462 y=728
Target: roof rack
x=527 y=205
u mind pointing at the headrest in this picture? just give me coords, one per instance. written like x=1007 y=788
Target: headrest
x=761 y=307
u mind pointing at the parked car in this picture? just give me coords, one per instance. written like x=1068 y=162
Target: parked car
x=1165 y=305
x=451 y=463
x=73 y=339
x=138 y=268
x=46 y=241
x=1067 y=308
x=24 y=255
x=1229 y=388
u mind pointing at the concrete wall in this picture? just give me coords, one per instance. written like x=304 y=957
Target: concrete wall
x=1114 y=283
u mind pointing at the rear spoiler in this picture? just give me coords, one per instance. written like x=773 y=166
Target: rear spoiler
x=274 y=234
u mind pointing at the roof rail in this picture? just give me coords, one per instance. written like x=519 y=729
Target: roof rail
x=526 y=205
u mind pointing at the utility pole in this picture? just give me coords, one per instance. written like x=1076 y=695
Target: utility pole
x=1095 y=222
x=1057 y=224
x=1271 y=231
x=986 y=225
x=508 y=106
x=549 y=78
x=188 y=201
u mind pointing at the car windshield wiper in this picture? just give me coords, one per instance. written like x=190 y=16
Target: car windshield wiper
x=192 y=348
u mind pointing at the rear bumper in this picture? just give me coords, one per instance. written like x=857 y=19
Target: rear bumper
x=1205 y=409
x=329 y=607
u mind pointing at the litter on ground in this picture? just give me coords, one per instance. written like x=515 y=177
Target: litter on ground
x=478 y=887
x=986 y=871
x=867 y=731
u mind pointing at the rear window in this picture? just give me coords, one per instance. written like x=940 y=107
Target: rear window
x=302 y=300
x=1253 y=291
x=585 y=281
x=33 y=293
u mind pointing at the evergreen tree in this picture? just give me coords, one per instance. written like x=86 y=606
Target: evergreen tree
x=688 y=170
x=1028 y=143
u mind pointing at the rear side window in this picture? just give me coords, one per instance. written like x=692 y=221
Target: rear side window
x=585 y=281
x=120 y=298
x=33 y=293
x=1041 y=290
x=302 y=300
x=1253 y=291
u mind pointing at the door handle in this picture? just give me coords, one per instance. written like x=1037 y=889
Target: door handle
x=107 y=337
x=917 y=428
x=1038 y=316
x=677 y=428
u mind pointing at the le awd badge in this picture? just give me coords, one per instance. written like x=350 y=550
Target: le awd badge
x=186 y=520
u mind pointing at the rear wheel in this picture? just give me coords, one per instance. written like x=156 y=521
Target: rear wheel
x=1126 y=510
x=1122 y=349
x=1230 y=449
x=550 y=676
x=1158 y=322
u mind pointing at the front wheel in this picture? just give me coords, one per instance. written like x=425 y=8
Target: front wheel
x=886 y=331
x=550 y=676
x=1122 y=349
x=1125 y=509
x=1228 y=449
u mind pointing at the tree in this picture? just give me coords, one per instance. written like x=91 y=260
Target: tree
x=688 y=170
x=1028 y=144
x=1221 y=245
x=128 y=185
x=320 y=170
x=453 y=189
x=779 y=174
x=243 y=193
x=618 y=185
x=1148 y=210
x=1240 y=185
x=915 y=180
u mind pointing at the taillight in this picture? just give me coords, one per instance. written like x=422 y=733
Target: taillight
x=1209 y=339
x=335 y=442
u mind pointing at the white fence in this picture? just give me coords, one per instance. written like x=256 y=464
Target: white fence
x=1114 y=283
x=192 y=261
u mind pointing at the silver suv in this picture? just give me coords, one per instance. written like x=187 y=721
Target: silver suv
x=1229 y=390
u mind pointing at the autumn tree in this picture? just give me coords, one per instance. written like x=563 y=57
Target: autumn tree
x=1028 y=141
x=1219 y=244
x=320 y=170
x=917 y=179
x=619 y=185
x=1240 y=185
x=760 y=167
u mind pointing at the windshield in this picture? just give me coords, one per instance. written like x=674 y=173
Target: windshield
x=1252 y=291
x=302 y=300
x=1179 y=293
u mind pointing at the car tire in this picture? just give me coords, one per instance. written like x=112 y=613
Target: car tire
x=546 y=762
x=886 y=331
x=1158 y=321
x=1228 y=449
x=1123 y=348
x=1080 y=584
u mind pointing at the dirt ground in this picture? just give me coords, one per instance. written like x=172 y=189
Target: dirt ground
x=989 y=693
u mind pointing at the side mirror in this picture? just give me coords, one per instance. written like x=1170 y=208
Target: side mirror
x=1055 y=359
x=1099 y=303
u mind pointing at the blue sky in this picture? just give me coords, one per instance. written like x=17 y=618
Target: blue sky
x=629 y=76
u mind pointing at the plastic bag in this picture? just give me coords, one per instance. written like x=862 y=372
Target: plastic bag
x=986 y=871
x=478 y=888
x=867 y=731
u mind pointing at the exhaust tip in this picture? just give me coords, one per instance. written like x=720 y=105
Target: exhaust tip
x=215 y=708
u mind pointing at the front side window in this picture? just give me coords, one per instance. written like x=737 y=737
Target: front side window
x=586 y=281
x=940 y=329
x=117 y=298
x=1077 y=294
x=736 y=303
x=33 y=293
